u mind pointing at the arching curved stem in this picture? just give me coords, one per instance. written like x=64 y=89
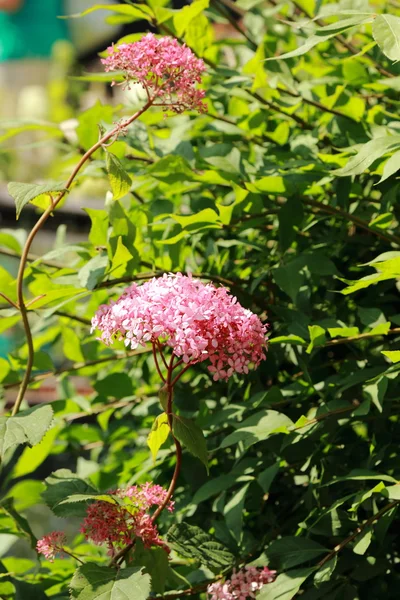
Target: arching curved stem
x=24 y=256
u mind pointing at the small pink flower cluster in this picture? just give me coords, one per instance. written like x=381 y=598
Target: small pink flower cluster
x=166 y=70
x=51 y=544
x=243 y=584
x=117 y=525
x=198 y=321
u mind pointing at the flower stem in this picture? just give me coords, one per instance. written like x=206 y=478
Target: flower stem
x=178 y=447
x=24 y=256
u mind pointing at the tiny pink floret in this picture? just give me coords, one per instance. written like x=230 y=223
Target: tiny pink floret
x=198 y=321
x=243 y=584
x=51 y=544
x=167 y=71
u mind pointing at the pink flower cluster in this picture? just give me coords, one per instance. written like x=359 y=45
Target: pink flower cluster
x=198 y=321
x=51 y=544
x=243 y=584
x=166 y=70
x=117 y=525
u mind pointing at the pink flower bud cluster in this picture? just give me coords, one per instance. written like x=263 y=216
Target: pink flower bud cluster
x=166 y=70
x=117 y=524
x=51 y=544
x=198 y=321
x=243 y=585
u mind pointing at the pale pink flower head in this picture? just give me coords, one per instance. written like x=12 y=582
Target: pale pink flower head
x=51 y=544
x=167 y=70
x=116 y=525
x=198 y=321
x=243 y=584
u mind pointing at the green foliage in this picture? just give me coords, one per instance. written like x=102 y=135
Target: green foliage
x=92 y=582
x=285 y=191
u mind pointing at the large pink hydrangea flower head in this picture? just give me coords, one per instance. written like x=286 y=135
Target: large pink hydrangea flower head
x=243 y=584
x=117 y=524
x=167 y=70
x=198 y=321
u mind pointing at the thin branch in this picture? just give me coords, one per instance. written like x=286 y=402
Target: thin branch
x=357 y=532
x=25 y=252
x=391 y=238
x=360 y=336
x=153 y=346
x=78 y=366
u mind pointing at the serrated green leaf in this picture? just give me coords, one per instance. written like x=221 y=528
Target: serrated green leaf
x=158 y=434
x=192 y=438
x=192 y=542
x=120 y=181
x=95 y=582
x=23 y=193
x=62 y=484
x=26 y=427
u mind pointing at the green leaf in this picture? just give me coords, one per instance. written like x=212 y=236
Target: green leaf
x=233 y=512
x=158 y=434
x=392 y=165
x=285 y=586
x=368 y=154
x=317 y=337
x=192 y=438
x=257 y=428
x=22 y=524
x=27 y=427
x=393 y=355
x=93 y=271
x=290 y=219
x=343 y=331
x=376 y=392
x=326 y=571
x=59 y=486
x=155 y=563
x=95 y=582
x=393 y=491
x=291 y=551
x=192 y=542
x=185 y=15
x=267 y=476
x=120 y=181
x=214 y=487
x=115 y=385
x=32 y=458
x=133 y=12
x=324 y=34
x=23 y=193
x=363 y=541
x=386 y=32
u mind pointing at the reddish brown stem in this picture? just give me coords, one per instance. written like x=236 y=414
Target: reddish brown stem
x=153 y=346
x=178 y=447
x=31 y=237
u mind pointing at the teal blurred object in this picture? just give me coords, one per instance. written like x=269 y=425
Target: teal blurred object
x=32 y=30
x=5 y=346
